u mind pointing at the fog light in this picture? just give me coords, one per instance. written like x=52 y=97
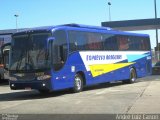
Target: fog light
x=43 y=85
x=12 y=85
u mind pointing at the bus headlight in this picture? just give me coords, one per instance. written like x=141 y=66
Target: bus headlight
x=13 y=78
x=43 y=77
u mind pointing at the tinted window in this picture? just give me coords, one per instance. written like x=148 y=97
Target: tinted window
x=123 y=42
x=106 y=41
x=110 y=42
x=95 y=41
x=85 y=41
x=29 y=52
x=139 y=43
x=133 y=43
x=157 y=64
x=59 y=52
x=77 y=41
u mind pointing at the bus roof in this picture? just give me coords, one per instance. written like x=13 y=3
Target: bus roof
x=79 y=26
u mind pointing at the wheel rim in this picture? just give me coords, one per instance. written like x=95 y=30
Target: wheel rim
x=78 y=83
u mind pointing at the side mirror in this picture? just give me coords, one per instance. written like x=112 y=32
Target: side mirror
x=49 y=41
x=50 y=48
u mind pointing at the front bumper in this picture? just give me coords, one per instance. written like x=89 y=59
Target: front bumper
x=38 y=85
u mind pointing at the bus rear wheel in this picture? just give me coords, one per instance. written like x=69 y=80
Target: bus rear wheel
x=78 y=83
x=133 y=77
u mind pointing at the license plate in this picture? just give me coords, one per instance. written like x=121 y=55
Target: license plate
x=27 y=88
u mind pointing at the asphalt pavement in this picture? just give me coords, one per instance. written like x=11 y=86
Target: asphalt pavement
x=142 y=97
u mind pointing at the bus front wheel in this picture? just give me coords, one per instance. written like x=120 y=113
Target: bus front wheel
x=78 y=83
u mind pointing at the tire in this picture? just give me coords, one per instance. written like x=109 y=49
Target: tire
x=78 y=83
x=133 y=77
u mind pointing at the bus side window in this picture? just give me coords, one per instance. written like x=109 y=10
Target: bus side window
x=123 y=42
x=81 y=38
x=60 y=50
x=110 y=42
x=72 y=41
x=77 y=41
x=144 y=44
x=94 y=41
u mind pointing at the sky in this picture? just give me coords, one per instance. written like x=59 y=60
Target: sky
x=35 y=13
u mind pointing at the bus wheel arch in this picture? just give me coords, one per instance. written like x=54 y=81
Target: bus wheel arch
x=79 y=82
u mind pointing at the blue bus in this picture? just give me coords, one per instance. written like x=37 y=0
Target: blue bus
x=73 y=56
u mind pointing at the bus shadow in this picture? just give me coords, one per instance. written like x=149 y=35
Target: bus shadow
x=120 y=83
x=103 y=85
x=31 y=95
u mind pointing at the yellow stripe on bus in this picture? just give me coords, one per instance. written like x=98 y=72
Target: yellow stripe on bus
x=100 y=69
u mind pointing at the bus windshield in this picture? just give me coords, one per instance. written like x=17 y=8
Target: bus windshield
x=29 y=52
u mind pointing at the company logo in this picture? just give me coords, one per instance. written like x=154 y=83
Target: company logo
x=9 y=117
x=103 y=57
